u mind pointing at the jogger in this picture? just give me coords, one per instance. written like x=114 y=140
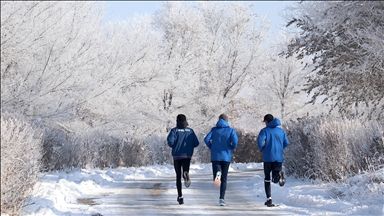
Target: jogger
x=221 y=140
x=182 y=140
x=271 y=141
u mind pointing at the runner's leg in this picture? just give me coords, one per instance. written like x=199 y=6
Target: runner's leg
x=224 y=175
x=186 y=164
x=276 y=168
x=267 y=178
x=177 y=165
x=215 y=167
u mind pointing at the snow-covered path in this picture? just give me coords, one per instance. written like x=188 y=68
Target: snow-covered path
x=158 y=197
x=151 y=190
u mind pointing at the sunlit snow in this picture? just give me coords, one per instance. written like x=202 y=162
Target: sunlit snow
x=59 y=193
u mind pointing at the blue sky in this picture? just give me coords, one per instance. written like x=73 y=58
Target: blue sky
x=126 y=9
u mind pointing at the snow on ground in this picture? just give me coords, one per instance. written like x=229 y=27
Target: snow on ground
x=58 y=190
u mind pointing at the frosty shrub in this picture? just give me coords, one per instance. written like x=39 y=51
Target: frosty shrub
x=133 y=153
x=106 y=153
x=145 y=151
x=158 y=150
x=247 y=150
x=89 y=149
x=333 y=149
x=201 y=154
x=53 y=141
x=20 y=162
x=65 y=150
x=96 y=148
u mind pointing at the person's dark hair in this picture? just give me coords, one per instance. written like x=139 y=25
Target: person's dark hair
x=181 y=121
x=268 y=118
x=224 y=117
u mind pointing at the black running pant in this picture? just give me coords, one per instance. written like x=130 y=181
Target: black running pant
x=178 y=164
x=275 y=168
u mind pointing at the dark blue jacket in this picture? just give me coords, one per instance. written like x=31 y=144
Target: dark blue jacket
x=221 y=140
x=182 y=141
x=275 y=142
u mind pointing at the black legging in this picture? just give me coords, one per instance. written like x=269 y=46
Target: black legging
x=275 y=168
x=178 y=164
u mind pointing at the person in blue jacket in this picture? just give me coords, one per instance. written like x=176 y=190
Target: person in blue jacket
x=182 y=140
x=271 y=141
x=221 y=140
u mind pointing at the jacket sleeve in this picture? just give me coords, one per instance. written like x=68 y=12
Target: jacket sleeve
x=260 y=140
x=195 y=140
x=207 y=140
x=286 y=142
x=171 y=138
x=234 y=139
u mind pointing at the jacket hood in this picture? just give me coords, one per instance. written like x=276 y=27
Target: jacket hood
x=222 y=123
x=274 y=123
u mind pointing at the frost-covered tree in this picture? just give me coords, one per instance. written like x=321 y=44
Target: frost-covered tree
x=130 y=76
x=49 y=56
x=279 y=88
x=210 y=52
x=284 y=84
x=60 y=61
x=345 y=39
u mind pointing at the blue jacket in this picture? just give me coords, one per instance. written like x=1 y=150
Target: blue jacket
x=275 y=142
x=182 y=141
x=221 y=140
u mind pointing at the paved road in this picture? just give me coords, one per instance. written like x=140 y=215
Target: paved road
x=158 y=197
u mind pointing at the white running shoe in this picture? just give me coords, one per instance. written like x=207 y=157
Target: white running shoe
x=218 y=179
